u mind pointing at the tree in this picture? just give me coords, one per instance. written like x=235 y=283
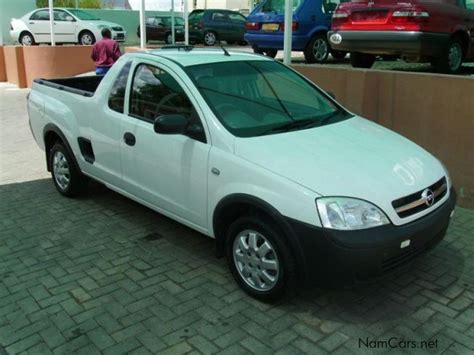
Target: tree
x=86 y=4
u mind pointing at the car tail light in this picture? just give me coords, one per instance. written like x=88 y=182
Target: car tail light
x=252 y=26
x=410 y=15
x=294 y=26
x=340 y=17
x=200 y=24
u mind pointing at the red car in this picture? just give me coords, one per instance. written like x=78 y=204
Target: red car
x=437 y=31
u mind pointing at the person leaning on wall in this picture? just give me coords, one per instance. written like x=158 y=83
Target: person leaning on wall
x=105 y=53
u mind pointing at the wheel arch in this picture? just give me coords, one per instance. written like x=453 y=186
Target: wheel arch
x=236 y=205
x=465 y=40
x=26 y=31
x=317 y=31
x=51 y=135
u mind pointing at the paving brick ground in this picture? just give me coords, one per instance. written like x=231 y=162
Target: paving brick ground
x=102 y=274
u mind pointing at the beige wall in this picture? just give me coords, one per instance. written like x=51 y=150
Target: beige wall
x=15 y=65
x=3 y=70
x=54 y=62
x=435 y=111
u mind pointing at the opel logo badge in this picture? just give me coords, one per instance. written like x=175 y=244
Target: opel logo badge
x=429 y=197
x=336 y=38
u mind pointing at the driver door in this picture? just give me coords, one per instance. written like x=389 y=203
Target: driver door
x=167 y=171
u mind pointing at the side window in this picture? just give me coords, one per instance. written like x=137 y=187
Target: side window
x=117 y=95
x=329 y=6
x=42 y=15
x=150 y=21
x=219 y=16
x=236 y=17
x=60 y=15
x=156 y=93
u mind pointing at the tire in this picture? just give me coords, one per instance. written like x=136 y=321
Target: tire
x=210 y=38
x=451 y=60
x=86 y=38
x=65 y=172
x=338 y=55
x=362 y=60
x=168 y=38
x=269 y=276
x=272 y=53
x=27 y=39
x=317 y=50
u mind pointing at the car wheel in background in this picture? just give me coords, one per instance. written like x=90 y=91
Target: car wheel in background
x=169 y=38
x=317 y=50
x=86 y=38
x=66 y=175
x=27 y=39
x=210 y=38
x=267 y=52
x=338 y=54
x=362 y=60
x=260 y=259
x=451 y=60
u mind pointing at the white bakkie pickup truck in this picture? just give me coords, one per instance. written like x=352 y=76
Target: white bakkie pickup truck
x=292 y=186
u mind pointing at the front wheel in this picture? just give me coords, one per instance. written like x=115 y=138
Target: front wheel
x=66 y=175
x=362 y=60
x=266 y=52
x=317 y=50
x=86 y=38
x=210 y=39
x=259 y=259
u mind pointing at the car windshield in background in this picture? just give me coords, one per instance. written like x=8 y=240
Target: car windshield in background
x=279 y=5
x=196 y=15
x=82 y=15
x=254 y=98
x=178 y=21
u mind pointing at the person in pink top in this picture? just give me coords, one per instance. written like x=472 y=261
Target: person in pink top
x=105 y=53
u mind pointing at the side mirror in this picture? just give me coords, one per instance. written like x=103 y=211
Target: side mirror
x=70 y=18
x=330 y=93
x=171 y=124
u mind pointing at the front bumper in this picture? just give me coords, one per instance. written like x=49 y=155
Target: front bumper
x=331 y=257
x=390 y=42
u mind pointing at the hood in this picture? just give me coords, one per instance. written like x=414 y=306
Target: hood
x=104 y=23
x=354 y=158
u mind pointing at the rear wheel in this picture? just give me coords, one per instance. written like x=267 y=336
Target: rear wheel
x=259 y=259
x=267 y=52
x=210 y=38
x=86 y=38
x=66 y=175
x=362 y=60
x=317 y=50
x=451 y=60
x=169 y=38
x=27 y=39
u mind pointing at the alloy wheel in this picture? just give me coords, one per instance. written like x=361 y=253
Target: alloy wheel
x=61 y=172
x=320 y=49
x=26 y=40
x=455 y=56
x=210 y=39
x=86 y=39
x=256 y=260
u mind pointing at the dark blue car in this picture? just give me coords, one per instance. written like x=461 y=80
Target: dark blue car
x=311 y=22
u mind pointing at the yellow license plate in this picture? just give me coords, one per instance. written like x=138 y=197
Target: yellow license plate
x=270 y=27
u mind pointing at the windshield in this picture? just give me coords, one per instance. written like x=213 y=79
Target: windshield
x=279 y=5
x=178 y=21
x=82 y=15
x=254 y=98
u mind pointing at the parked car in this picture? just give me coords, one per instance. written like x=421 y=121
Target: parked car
x=440 y=32
x=211 y=26
x=311 y=22
x=70 y=26
x=292 y=186
x=158 y=28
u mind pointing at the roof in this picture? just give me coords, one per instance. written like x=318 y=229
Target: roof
x=198 y=56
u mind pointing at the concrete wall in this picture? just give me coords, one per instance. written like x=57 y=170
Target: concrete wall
x=3 y=70
x=9 y=9
x=435 y=111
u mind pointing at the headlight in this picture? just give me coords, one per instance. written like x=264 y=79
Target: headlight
x=446 y=172
x=344 y=213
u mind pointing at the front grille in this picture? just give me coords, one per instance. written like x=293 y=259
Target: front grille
x=119 y=36
x=118 y=29
x=417 y=202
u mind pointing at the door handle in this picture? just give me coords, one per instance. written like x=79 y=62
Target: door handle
x=31 y=23
x=129 y=139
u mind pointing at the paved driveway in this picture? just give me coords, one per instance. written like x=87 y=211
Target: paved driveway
x=104 y=274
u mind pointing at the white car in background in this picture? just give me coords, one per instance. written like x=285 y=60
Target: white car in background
x=70 y=26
